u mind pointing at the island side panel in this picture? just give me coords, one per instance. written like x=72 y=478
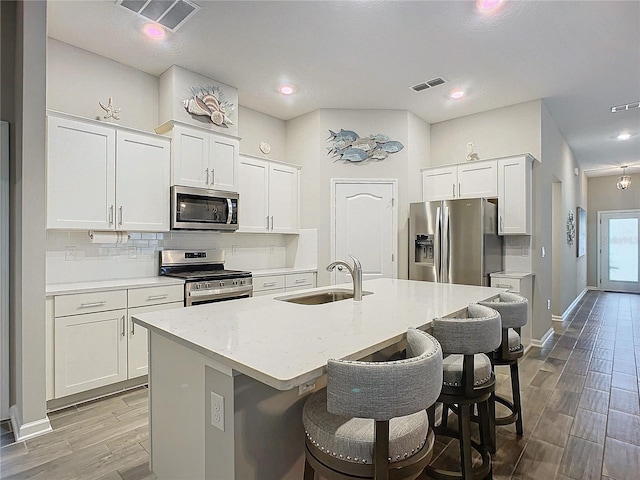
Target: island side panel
x=269 y=431
x=177 y=410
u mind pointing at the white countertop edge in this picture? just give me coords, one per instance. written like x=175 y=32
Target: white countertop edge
x=283 y=271
x=106 y=285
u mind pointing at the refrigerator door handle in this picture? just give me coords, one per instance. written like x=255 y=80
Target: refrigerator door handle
x=437 y=261
x=446 y=242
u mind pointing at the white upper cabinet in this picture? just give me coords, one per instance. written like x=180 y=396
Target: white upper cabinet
x=269 y=196
x=469 y=180
x=514 y=195
x=439 y=183
x=102 y=177
x=81 y=162
x=142 y=182
x=478 y=180
x=203 y=159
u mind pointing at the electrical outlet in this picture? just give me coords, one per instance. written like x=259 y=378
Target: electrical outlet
x=217 y=411
x=133 y=251
x=70 y=253
x=548 y=304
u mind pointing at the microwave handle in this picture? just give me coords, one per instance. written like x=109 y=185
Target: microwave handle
x=230 y=205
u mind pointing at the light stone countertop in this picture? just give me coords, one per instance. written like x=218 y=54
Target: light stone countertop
x=105 y=285
x=286 y=345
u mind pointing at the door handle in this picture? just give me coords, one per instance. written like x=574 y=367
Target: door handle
x=230 y=210
x=123 y=327
x=120 y=209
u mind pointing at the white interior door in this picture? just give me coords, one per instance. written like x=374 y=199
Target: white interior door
x=619 y=252
x=365 y=226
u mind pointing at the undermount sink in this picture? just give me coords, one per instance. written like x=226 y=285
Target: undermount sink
x=318 y=298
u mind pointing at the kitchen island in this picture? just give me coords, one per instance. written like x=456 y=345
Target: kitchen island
x=228 y=380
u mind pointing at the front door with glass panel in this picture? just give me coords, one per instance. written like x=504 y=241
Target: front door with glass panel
x=619 y=251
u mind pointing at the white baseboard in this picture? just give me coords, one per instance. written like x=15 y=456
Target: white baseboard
x=566 y=313
x=27 y=430
x=545 y=337
x=556 y=318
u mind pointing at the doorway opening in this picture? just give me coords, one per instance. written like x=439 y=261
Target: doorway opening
x=619 y=250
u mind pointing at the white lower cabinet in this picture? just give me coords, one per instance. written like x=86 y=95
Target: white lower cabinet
x=102 y=346
x=90 y=351
x=521 y=283
x=270 y=284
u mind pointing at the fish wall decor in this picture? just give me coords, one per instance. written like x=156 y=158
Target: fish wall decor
x=208 y=101
x=350 y=147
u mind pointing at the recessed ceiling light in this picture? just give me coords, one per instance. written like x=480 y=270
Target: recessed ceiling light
x=488 y=4
x=624 y=136
x=286 y=89
x=154 y=31
x=456 y=94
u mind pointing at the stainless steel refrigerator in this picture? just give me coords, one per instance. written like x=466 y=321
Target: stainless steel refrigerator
x=454 y=241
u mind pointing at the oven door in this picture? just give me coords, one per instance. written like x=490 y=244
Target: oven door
x=200 y=297
x=201 y=209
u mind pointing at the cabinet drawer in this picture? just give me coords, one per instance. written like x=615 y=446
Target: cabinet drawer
x=269 y=282
x=299 y=280
x=140 y=297
x=89 y=302
x=513 y=284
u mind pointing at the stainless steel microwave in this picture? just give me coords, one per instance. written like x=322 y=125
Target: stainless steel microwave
x=202 y=209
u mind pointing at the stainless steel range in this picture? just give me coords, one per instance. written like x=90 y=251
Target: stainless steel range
x=206 y=280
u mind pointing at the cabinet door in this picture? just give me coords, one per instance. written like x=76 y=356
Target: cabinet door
x=478 y=180
x=80 y=175
x=224 y=163
x=190 y=154
x=138 y=346
x=439 y=183
x=283 y=198
x=253 y=210
x=514 y=196
x=90 y=351
x=142 y=182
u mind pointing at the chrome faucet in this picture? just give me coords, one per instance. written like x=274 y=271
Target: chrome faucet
x=356 y=275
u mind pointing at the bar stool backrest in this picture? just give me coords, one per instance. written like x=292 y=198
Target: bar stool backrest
x=478 y=332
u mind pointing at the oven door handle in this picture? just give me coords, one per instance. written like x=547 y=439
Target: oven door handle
x=213 y=292
x=230 y=216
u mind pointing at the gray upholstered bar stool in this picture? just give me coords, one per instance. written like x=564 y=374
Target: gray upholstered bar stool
x=514 y=310
x=468 y=380
x=370 y=421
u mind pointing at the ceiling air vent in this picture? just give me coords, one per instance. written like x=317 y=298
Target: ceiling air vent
x=434 y=82
x=624 y=108
x=171 y=14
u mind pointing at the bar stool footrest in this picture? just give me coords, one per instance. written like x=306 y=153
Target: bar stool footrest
x=480 y=472
x=507 y=419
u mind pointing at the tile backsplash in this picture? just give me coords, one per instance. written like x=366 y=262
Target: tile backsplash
x=71 y=257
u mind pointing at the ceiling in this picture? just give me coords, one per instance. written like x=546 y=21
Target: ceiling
x=581 y=57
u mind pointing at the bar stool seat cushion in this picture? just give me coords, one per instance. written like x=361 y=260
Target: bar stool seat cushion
x=452 y=370
x=352 y=439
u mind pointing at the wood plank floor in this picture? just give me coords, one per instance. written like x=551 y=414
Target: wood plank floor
x=580 y=396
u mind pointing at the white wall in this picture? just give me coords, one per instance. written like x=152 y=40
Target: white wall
x=307 y=144
x=77 y=80
x=496 y=133
x=255 y=127
x=603 y=195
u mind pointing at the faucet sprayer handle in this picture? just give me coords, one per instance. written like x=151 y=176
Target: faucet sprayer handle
x=356 y=262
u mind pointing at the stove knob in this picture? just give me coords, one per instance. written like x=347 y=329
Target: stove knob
x=198 y=286
x=207 y=285
x=222 y=284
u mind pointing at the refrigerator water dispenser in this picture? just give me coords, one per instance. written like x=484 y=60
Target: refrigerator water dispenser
x=424 y=249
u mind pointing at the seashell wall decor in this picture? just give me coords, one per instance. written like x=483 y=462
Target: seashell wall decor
x=209 y=101
x=349 y=146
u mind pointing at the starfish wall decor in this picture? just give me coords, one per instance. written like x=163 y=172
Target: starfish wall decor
x=112 y=112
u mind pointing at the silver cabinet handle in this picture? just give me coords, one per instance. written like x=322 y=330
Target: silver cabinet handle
x=157 y=297
x=123 y=327
x=120 y=209
x=93 y=304
x=300 y=280
x=267 y=222
x=501 y=224
x=206 y=173
x=271 y=222
x=453 y=189
x=133 y=327
x=111 y=215
x=459 y=190
x=270 y=284
x=213 y=176
x=502 y=285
